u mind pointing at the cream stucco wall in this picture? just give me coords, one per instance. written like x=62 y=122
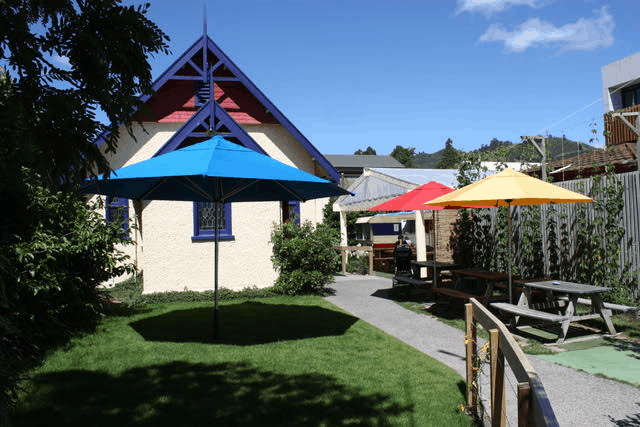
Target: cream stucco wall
x=164 y=249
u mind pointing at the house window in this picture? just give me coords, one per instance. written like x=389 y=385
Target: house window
x=291 y=212
x=631 y=96
x=204 y=218
x=363 y=232
x=117 y=210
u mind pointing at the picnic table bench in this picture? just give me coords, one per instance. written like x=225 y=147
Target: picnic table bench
x=529 y=312
x=409 y=280
x=611 y=306
x=561 y=297
x=459 y=294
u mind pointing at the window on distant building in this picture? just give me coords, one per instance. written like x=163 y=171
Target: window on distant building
x=117 y=210
x=203 y=221
x=630 y=96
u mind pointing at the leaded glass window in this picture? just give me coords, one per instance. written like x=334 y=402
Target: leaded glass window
x=117 y=210
x=204 y=214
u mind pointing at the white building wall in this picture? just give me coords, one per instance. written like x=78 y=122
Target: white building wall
x=616 y=75
x=164 y=250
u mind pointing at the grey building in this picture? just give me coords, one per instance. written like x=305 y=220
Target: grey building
x=351 y=166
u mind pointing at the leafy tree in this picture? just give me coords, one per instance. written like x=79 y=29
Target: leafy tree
x=332 y=220
x=404 y=155
x=369 y=150
x=65 y=61
x=450 y=157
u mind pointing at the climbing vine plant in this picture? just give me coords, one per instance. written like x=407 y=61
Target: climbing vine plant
x=583 y=247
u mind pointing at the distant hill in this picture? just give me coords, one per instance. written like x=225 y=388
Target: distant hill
x=426 y=160
x=557 y=148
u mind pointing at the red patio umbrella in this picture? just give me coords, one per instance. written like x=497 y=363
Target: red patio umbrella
x=414 y=200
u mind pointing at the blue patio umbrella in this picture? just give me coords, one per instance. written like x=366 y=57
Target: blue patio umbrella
x=215 y=170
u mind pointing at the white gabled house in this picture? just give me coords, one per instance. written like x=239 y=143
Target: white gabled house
x=201 y=94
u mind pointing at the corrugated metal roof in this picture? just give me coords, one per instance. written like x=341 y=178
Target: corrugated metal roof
x=362 y=161
x=378 y=185
x=422 y=176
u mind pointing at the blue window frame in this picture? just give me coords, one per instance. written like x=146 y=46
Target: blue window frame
x=203 y=221
x=291 y=212
x=117 y=210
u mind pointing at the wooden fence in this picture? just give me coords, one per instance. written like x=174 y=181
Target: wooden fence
x=534 y=408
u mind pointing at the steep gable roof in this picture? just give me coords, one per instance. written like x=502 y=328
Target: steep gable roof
x=207 y=92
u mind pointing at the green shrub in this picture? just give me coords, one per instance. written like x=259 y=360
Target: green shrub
x=50 y=277
x=304 y=256
x=358 y=264
x=130 y=293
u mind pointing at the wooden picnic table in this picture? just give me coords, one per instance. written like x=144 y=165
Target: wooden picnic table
x=487 y=279
x=436 y=266
x=561 y=297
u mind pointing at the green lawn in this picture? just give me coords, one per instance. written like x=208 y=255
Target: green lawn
x=280 y=361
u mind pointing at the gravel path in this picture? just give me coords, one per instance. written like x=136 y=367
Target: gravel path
x=577 y=398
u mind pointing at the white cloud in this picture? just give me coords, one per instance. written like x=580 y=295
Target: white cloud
x=489 y=7
x=585 y=34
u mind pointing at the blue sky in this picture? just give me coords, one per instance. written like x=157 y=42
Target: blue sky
x=351 y=74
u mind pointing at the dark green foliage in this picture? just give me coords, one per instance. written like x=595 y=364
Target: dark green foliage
x=332 y=220
x=468 y=236
x=358 y=264
x=129 y=292
x=557 y=149
x=450 y=157
x=51 y=275
x=404 y=155
x=304 y=256
x=369 y=151
x=65 y=60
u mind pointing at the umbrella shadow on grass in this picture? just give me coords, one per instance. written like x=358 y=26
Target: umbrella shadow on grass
x=181 y=393
x=247 y=323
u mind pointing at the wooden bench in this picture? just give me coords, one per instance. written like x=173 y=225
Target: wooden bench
x=409 y=280
x=528 y=312
x=611 y=306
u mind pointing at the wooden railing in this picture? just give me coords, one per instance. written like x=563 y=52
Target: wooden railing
x=344 y=250
x=534 y=408
x=617 y=132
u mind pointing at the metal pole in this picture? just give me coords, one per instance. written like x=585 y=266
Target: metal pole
x=216 y=323
x=509 y=250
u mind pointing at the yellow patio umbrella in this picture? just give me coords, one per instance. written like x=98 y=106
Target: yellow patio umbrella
x=509 y=188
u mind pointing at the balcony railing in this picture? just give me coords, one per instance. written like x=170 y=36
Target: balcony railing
x=617 y=132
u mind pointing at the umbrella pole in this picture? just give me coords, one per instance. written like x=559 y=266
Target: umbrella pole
x=216 y=324
x=435 y=249
x=509 y=250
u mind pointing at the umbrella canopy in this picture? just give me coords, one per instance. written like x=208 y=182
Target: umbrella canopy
x=509 y=188
x=215 y=170
x=415 y=199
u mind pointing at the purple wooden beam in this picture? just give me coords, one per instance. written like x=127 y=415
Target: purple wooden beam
x=284 y=121
x=198 y=118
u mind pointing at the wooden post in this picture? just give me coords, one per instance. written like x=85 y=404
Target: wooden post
x=371 y=261
x=524 y=405
x=471 y=352
x=498 y=398
x=344 y=260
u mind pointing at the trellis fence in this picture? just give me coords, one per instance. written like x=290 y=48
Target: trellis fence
x=629 y=220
